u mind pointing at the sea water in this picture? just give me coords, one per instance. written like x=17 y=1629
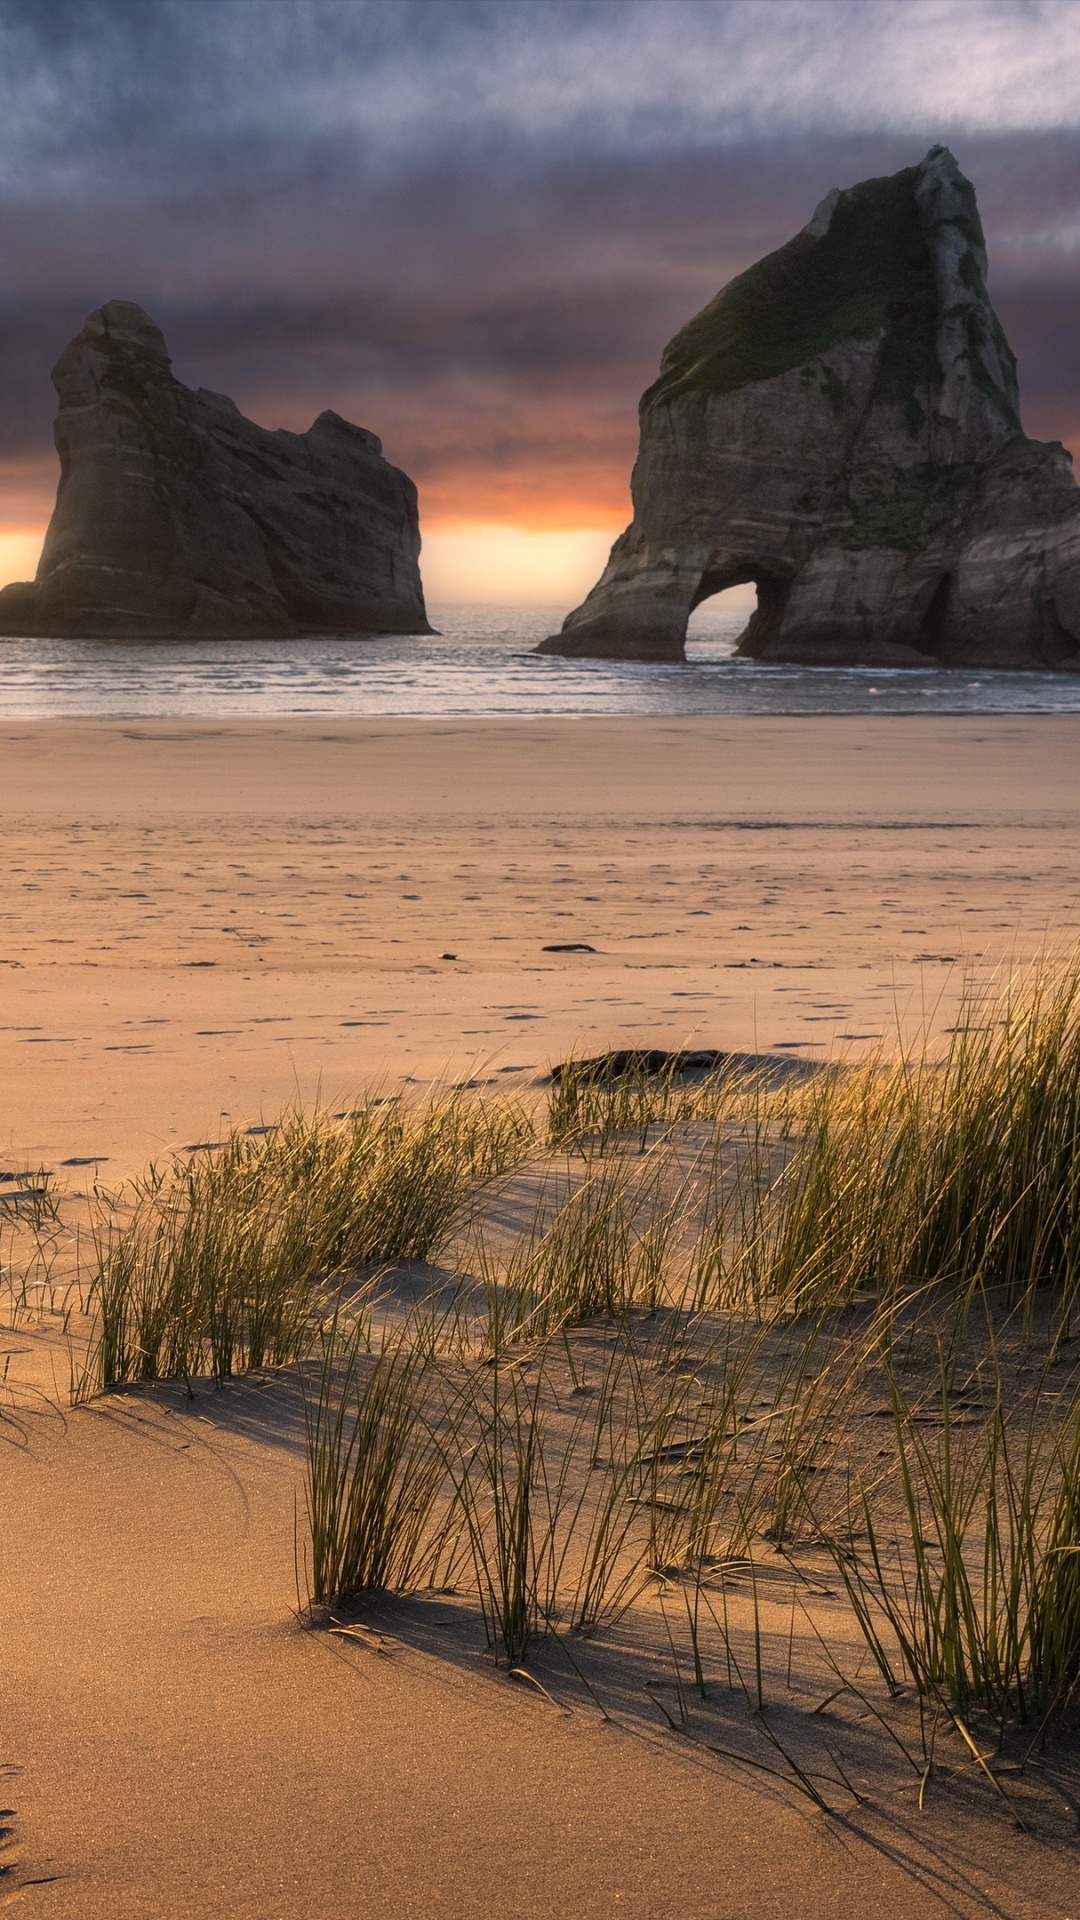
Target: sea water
x=480 y=663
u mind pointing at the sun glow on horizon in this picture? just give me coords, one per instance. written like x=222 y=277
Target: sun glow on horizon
x=19 y=554
x=493 y=563
x=469 y=561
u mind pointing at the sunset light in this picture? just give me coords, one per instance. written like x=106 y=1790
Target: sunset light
x=477 y=562
x=489 y=563
x=19 y=554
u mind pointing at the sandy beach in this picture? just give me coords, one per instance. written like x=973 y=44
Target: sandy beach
x=200 y=922
x=203 y=922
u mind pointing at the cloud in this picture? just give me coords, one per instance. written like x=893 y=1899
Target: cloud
x=84 y=82
x=473 y=226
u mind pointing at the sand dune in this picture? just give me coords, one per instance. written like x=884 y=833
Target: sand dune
x=178 y=1744
x=199 y=923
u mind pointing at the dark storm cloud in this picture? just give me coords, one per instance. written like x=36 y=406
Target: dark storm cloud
x=473 y=226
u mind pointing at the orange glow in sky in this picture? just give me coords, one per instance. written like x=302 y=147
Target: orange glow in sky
x=19 y=553
x=481 y=562
x=498 y=564
x=499 y=536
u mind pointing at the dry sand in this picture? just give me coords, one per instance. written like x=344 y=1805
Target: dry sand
x=193 y=917
x=176 y=1745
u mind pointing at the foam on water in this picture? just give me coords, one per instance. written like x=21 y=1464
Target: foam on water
x=479 y=664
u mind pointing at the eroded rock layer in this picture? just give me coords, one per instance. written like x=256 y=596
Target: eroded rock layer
x=177 y=518
x=840 y=426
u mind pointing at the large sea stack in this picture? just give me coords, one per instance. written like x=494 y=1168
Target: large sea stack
x=176 y=518
x=840 y=425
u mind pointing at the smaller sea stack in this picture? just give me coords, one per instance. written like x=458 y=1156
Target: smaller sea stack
x=178 y=519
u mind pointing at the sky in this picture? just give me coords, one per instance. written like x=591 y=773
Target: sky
x=472 y=225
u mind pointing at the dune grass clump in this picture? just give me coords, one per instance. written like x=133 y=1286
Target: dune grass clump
x=227 y=1262
x=559 y=1501
x=376 y=1471
x=413 y=1464
x=581 y=1472
x=969 y=1580
x=567 y=1494
x=602 y=1248
x=888 y=1174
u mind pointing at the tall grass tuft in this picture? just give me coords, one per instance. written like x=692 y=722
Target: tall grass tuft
x=605 y=1248
x=375 y=1471
x=567 y=1516
x=880 y=1177
x=226 y=1262
x=973 y=1589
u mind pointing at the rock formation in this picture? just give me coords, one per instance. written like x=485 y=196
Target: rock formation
x=840 y=426
x=176 y=518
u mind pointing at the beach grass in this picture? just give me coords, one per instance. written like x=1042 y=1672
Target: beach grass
x=741 y=1322
x=375 y=1467
x=229 y=1261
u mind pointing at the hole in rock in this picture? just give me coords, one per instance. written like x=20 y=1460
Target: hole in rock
x=718 y=620
x=733 y=604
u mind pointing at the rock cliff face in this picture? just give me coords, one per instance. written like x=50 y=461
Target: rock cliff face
x=841 y=427
x=176 y=518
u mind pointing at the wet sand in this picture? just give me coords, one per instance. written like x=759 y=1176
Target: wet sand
x=201 y=922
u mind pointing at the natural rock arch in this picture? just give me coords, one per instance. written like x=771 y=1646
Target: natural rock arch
x=842 y=425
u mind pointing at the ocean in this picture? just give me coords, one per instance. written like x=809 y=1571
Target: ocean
x=480 y=664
